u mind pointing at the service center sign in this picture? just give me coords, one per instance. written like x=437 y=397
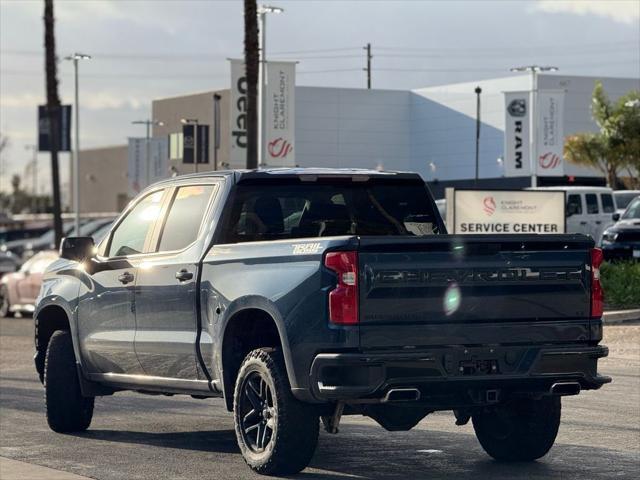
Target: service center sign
x=513 y=211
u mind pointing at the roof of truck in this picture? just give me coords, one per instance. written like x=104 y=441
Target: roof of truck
x=272 y=173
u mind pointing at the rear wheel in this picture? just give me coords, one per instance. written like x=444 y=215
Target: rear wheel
x=5 y=306
x=276 y=433
x=67 y=409
x=522 y=430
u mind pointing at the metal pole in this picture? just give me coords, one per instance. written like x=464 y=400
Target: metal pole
x=76 y=156
x=147 y=147
x=368 y=48
x=216 y=129
x=262 y=88
x=478 y=91
x=196 y=147
x=534 y=129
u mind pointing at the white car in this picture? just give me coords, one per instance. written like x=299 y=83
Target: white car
x=589 y=210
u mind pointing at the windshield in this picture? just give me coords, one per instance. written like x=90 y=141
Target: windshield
x=321 y=209
x=623 y=199
x=633 y=210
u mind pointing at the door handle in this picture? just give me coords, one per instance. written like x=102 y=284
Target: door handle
x=598 y=222
x=583 y=223
x=126 y=277
x=184 y=275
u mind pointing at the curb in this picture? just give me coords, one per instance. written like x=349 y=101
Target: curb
x=16 y=470
x=615 y=317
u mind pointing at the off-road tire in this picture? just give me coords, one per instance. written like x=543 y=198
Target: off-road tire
x=294 y=436
x=523 y=430
x=67 y=409
x=4 y=303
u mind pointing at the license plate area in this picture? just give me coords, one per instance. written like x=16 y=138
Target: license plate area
x=478 y=366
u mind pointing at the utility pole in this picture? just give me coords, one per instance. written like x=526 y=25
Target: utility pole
x=53 y=111
x=478 y=91
x=252 y=66
x=368 y=69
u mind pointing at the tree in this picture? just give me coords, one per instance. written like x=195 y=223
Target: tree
x=53 y=109
x=616 y=147
x=252 y=65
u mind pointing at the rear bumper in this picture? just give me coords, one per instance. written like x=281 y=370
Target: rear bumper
x=621 y=251
x=453 y=376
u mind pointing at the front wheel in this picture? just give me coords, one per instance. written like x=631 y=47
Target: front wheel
x=276 y=433
x=67 y=409
x=523 y=430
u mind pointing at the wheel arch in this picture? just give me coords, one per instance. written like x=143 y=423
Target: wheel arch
x=249 y=324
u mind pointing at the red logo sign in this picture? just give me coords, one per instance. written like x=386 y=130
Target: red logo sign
x=279 y=148
x=489 y=205
x=549 y=160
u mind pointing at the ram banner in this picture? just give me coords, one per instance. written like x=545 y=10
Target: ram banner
x=517 y=160
x=279 y=115
x=550 y=134
x=505 y=211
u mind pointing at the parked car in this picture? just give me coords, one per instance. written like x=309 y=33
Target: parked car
x=623 y=199
x=12 y=234
x=25 y=248
x=589 y=210
x=8 y=263
x=18 y=291
x=296 y=294
x=622 y=240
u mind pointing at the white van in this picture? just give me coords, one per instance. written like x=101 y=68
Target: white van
x=589 y=210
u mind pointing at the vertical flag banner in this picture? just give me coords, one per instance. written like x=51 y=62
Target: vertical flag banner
x=279 y=125
x=159 y=163
x=517 y=160
x=202 y=152
x=550 y=137
x=238 y=115
x=188 y=143
x=136 y=169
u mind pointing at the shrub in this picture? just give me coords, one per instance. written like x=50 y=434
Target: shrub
x=621 y=283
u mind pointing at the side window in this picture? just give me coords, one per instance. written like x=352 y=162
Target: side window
x=574 y=205
x=185 y=216
x=592 y=203
x=128 y=237
x=607 y=203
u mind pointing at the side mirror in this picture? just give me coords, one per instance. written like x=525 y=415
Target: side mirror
x=615 y=217
x=77 y=248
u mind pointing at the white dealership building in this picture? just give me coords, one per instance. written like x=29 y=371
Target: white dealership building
x=428 y=130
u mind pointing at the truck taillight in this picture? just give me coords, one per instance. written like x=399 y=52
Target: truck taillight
x=597 y=294
x=343 y=300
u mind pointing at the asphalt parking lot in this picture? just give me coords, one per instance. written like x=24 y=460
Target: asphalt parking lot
x=152 y=437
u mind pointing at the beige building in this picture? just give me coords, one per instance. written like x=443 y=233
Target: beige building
x=103 y=179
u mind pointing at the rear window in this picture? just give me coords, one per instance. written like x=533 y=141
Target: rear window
x=319 y=209
x=607 y=203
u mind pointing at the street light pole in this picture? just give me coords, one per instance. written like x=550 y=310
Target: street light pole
x=533 y=121
x=76 y=155
x=478 y=91
x=262 y=87
x=147 y=145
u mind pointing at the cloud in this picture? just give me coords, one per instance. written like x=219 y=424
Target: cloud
x=622 y=11
x=90 y=100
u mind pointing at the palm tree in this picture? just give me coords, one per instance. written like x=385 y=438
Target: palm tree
x=53 y=111
x=252 y=62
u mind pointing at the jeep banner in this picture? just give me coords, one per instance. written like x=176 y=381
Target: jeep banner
x=517 y=162
x=279 y=115
x=238 y=115
x=550 y=136
x=505 y=211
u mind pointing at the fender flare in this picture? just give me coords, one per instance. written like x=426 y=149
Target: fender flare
x=255 y=302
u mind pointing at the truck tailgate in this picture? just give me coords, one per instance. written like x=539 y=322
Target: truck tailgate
x=473 y=289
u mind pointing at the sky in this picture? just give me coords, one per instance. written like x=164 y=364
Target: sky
x=152 y=49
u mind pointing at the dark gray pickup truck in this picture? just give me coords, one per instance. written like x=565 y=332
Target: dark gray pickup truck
x=303 y=294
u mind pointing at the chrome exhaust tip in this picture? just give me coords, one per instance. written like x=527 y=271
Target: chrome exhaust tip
x=402 y=395
x=565 y=388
